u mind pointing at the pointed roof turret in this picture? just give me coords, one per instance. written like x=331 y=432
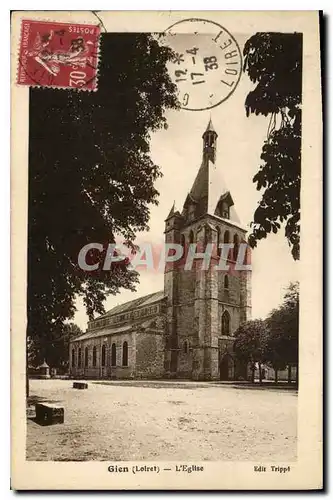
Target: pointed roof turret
x=210 y=127
x=209 y=191
x=172 y=211
x=44 y=365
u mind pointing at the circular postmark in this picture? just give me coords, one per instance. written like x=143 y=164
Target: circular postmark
x=207 y=64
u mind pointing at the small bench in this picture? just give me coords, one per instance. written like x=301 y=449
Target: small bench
x=49 y=414
x=80 y=385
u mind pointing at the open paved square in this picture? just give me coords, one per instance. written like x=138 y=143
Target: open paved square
x=165 y=420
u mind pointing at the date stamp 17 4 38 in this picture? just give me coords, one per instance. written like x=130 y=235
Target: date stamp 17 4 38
x=207 y=63
x=60 y=55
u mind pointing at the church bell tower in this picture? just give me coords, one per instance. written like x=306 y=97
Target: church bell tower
x=205 y=306
x=209 y=142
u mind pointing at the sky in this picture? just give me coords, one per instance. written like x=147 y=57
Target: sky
x=178 y=151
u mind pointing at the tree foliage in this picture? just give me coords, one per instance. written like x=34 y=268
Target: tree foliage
x=56 y=350
x=91 y=177
x=250 y=341
x=283 y=326
x=274 y=340
x=273 y=62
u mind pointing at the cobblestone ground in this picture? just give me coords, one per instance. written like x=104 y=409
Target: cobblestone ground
x=164 y=421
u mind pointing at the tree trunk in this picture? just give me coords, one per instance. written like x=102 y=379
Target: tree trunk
x=276 y=375
x=289 y=374
x=260 y=377
x=253 y=371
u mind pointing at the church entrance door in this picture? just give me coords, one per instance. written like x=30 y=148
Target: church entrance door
x=227 y=368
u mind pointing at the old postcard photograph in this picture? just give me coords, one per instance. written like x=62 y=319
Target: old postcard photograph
x=166 y=255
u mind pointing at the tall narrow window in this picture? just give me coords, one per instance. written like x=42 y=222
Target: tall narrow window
x=94 y=356
x=113 y=355
x=191 y=237
x=86 y=352
x=236 y=246
x=218 y=241
x=103 y=355
x=73 y=357
x=125 y=354
x=226 y=238
x=225 y=323
x=183 y=245
x=206 y=237
x=79 y=360
x=226 y=281
x=185 y=347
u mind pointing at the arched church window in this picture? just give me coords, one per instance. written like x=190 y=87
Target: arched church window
x=206 y=237
x=185 y=347
x=218 y=241
x=73 y=357
x=94 y=356
x=113 y=355
x=226 y=238
x=226 y=281
x=103 y=355
x=125 y=354
x=86 y=352
x=236 y=246
x=79 y=358
x=191 y=237
x=182 y=241
x=225 y=323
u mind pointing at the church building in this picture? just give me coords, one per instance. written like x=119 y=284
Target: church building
x=185 y=330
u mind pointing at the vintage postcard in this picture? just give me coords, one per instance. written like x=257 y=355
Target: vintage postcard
x=166 y=250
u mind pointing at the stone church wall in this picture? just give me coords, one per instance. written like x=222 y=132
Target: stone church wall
x=107 y=371
x=149 y=355
x=230 y=295
x=185 y=322
x=186 y=339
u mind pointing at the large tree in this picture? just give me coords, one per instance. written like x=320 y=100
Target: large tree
x=273 y=62
x=56 y=349
x=283 y=326
x=250 y=344
x=91 y=177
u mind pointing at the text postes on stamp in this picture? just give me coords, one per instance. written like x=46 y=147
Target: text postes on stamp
x=207 y=63
x=58 y=55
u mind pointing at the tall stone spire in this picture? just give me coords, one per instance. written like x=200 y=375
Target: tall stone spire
x=210 y=127
x=209 y=191
x=172 y=211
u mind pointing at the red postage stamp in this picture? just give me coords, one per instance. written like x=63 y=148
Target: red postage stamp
x=58 y=55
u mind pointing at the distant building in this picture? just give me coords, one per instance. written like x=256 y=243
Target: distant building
x=186 y=330
x=268 y=373
x=42 y=371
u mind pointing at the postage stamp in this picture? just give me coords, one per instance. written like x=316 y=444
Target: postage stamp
x=58 y=55
x=207 y=65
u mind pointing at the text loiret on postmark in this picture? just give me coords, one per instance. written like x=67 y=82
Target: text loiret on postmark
x=207 y=63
